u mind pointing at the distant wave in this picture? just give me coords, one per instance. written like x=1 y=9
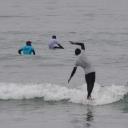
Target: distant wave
x=49 y=92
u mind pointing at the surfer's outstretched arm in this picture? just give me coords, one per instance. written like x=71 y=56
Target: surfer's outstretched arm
x=33 y=52
x=76 y=43
x=60 y=47
x=72 y=74
x=19 y=51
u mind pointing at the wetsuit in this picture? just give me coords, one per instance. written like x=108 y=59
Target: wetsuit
x=83 y=62
x=52 y=43
x=27 y=50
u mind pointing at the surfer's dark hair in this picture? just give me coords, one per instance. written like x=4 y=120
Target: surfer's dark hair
x=54 y=36
x=28 y=43
x=77 y=51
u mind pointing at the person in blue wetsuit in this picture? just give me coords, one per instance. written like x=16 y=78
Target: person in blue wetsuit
x=28 y=49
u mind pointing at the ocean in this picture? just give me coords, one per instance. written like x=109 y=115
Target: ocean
x=34 y=90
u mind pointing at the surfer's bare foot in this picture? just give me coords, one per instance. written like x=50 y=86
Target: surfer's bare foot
x=89 y=98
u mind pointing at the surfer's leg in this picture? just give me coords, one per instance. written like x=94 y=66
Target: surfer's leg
x=90 y=80
x=92 y=77
x=88 y=84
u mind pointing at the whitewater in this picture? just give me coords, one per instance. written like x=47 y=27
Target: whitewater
x=102 y=95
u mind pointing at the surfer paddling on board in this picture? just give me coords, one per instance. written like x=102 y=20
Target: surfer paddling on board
x=83 y=62
x=28 y=49
x=52 y=42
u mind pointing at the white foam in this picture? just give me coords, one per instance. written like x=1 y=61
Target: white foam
x=102 y=95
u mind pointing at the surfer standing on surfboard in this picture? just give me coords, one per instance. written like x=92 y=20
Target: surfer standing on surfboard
x=52 y=42
x=83 y=62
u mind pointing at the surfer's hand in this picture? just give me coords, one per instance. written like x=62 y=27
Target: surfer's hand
x=69 y=80
x=71 y=42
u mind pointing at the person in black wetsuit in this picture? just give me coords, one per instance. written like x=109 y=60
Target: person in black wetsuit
x=83 y=62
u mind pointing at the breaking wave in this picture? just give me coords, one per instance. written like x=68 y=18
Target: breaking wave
x=101 y=94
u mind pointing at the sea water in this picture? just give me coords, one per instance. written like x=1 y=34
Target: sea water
x=34 y=90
